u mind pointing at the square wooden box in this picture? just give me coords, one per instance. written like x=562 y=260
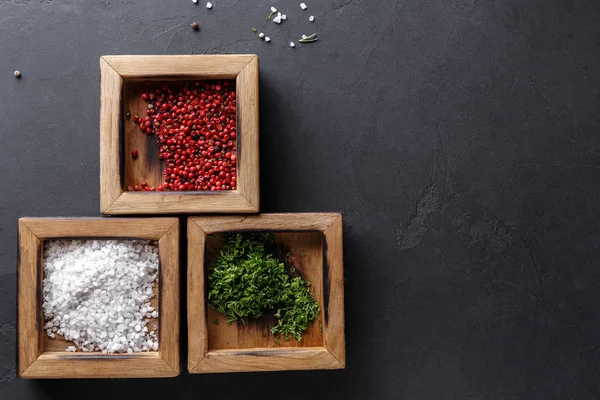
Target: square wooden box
x=312 y=243
x=43 y=357
x=121 y=84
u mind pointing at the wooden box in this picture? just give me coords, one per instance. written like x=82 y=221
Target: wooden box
x=42 y=357
x=121 y=84
x=312 y=243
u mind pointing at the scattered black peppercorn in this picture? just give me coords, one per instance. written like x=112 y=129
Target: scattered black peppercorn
x=195 y=26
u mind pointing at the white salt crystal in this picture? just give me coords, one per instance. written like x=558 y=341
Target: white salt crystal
x=195 y=1
x=292 y=44
x=209 y=5
x=273 y=9
x=283 y=16
x=277 y=20
x=303 y=6
x=267 y=39
x=95 y=293
x=311 y=18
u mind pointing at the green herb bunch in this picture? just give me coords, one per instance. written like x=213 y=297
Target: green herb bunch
x=248 y=280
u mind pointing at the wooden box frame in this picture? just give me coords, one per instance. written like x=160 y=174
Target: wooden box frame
x=201 y=359
x=34 y=361
x=117 y=71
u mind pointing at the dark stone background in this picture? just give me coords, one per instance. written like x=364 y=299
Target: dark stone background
x=460 y=139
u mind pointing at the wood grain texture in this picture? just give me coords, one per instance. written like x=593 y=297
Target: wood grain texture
x=248 y=142
x=28 y=310
x=228 y=201
x=274 y=222
x=168 y=251
x=334 y=324
x=260 y=359
x=196 y=298
x=234 y=348
x=147 y=167
x=53 y=365
x=179 y=66
x=110 y=102
x=42 y=357
x=135 y=228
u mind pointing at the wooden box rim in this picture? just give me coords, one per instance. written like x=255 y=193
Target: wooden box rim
x=34 y=362
x=116 y=70
x=330 y=356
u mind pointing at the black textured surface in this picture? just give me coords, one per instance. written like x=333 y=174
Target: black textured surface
x=459 y=138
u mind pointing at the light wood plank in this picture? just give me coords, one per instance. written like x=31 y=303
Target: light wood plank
x=274 y=222
x=168 y=251
x=54 y=365
x=136 y=228
x=196 y=296
x=266 y=360
x=227 y=201
x=333 y=324
x=28 y=321
x=110 y=102
x=180 y=66
x=248 y=123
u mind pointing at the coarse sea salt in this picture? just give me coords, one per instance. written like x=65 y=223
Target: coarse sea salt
x=209 y=5
x=303 y=6
x=96 y=293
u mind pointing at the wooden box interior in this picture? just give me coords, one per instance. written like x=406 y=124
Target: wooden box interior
x=147 y=167
x=59 y=344
x=301 y=250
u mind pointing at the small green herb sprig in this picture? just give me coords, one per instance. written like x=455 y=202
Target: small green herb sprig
x=248 y=280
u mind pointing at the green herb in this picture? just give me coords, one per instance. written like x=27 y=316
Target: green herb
x=303 y=254
x=277 y=341
x=254 y=30
x=308 y=40
x=288 y=254
x=247 y=280
x=270 y=15
x=216 y=321
x=310 y=36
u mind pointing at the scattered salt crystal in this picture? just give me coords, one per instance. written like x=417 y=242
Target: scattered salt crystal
x=277 y=20
x=273 y=9
x=267 y=39
x=283 y=17
x=311 y=18
x=292 y=44
x=71 y=349
x=195 y=1
x=303 y=6
x=304 y=36
x=209 y=5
